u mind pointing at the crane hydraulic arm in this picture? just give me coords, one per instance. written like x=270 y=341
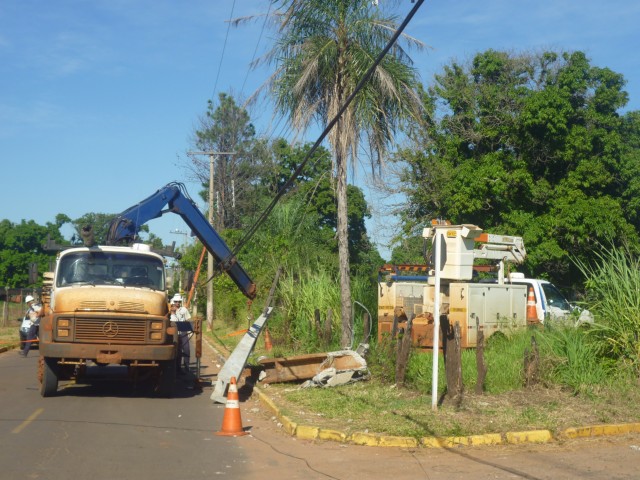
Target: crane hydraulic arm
x=125 y=227
x=500 y=247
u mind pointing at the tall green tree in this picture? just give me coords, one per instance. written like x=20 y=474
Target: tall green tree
x=227 y=132
x=22 y=244
x=315 y=190
x=530 y=145
x=323 y=49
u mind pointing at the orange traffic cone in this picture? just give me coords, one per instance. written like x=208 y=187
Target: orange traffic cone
x=267 y=340
x=231 y=422
x=532 y=312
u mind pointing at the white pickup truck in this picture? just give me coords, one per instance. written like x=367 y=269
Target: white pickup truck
x=551 y=304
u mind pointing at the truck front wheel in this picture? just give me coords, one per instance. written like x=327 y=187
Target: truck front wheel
x=49 y=385
x=167 y=378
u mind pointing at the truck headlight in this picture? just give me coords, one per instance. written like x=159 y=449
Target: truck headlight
x=64 y=322
x=156 y=325
x=63 y=332
x=156 y=335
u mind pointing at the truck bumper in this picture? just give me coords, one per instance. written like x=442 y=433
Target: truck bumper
x=115 y=354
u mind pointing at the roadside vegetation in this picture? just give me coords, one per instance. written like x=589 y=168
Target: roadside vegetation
x=586 y=375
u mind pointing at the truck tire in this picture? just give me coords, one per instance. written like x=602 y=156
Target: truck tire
x=49 y=385
x=166 y=379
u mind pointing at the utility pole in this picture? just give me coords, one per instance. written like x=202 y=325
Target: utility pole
x=184 y=247
x=210 y=258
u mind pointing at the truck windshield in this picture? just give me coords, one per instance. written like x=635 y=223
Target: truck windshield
x=554 y=297
x=110 y=268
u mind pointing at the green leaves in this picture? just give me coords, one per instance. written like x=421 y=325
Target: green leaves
x=531 y=145
x=20 y=245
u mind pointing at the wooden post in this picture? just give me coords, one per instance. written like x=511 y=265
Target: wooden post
x=366 y=327
x=531 y=364
x=316 y=316
x=5 y=308
x=402 y=357
x=453 y=365
x=394 y=327
x=481 y=366
x=327 y=327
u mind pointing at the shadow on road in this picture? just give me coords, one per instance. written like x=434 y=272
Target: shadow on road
x=115 y=381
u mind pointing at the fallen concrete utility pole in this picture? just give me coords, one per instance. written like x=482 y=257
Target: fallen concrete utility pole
x=237 y=360
x=320 y=369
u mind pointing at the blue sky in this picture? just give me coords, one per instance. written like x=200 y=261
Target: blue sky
x=99 y=98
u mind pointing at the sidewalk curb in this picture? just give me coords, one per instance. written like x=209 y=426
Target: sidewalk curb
x=309 y=432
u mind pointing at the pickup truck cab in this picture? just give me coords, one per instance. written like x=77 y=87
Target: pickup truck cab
x=551 y=304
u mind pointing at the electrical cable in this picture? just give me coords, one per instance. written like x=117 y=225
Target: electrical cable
x=224 y=47
x=355 y=302
x=293 y=456
x=266 y=17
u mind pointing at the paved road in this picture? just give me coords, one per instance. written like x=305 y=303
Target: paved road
x=108 y=430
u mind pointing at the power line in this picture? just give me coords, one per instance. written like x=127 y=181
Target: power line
x=224 y=47
x=266 y=17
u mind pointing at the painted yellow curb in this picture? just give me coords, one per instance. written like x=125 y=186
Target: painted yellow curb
x=601 y=430
x=267 y=401
x=391 y=441
x=306 y=432
x=332 y=435
x=288 y=425
x=533 y=436
x=469 y=441
x=367 y=439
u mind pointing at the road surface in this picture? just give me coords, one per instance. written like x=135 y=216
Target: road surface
x=108 y=428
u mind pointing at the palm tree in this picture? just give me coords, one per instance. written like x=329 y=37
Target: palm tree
x=323 y=49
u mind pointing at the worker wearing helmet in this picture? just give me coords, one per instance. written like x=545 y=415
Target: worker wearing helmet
x=179 y=313
x=30 y=325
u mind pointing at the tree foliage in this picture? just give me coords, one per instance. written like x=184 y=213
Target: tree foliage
x=227 y=133
x=530 y=145
x=22 y=244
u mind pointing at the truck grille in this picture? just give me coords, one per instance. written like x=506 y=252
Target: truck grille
x=101 y=306
x=92 y=305
x=115 y=331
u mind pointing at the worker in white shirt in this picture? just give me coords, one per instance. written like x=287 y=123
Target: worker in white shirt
x=30 y=324
x=179 y=313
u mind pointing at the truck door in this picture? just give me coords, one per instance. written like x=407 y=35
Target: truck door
x=558 y=307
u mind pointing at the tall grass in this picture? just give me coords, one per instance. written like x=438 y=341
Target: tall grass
x=572 y=358
x=569 y=358
x=306 y=289
x=300 y=295
x=503 y=358
x=613 y=296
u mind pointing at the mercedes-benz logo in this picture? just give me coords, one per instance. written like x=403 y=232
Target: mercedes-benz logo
x=110 y=329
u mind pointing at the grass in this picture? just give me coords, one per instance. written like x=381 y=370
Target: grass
x=578 y=387
x=384 y=409
x=613 y=288
x=9 y=336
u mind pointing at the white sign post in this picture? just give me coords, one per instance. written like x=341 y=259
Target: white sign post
x=437 y=259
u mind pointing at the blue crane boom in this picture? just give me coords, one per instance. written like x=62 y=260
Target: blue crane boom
x=125 y=227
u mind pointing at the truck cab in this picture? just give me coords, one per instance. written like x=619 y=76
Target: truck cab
x=551 y=304
x=107 y=305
